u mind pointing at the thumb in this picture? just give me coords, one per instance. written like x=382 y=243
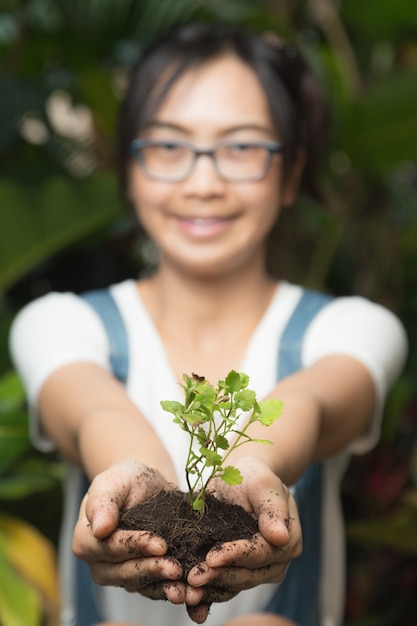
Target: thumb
x=273 y=525
x=102 y=511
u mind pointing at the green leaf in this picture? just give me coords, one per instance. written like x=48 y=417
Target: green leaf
x=382 y=130
x=12 y=447
x=195 y=418
x=39 y=221
x=245 y=400
x=271 y=410
x=212 y=458
x=263 y=441
x=174 y=407
x=233 y=382
x=31 y=476
x=12 y=393
x=383 y=20
x=231 y=475
x=397 y=530
x=221 y=442
x=206 y=396
x=201 y=435
x=199 y=505
x=99 y=95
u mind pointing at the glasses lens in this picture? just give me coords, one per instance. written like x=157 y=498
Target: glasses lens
x=242 y=161
x=167 y=161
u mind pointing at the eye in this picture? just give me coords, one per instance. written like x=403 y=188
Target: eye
x=241 y=147
x=168 y=150
x=168 y=146
x=240 y=151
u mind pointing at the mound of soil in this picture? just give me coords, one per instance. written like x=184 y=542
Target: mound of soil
x=189 y=536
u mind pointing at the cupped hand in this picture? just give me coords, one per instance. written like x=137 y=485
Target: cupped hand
x=131 y=559
x=244 y=564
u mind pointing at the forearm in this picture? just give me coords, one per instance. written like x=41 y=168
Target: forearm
x=94 y=424
x=294 y=437
x=325 y=408
x=106 y=437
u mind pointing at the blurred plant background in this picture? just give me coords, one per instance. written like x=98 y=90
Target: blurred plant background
x=63 y=69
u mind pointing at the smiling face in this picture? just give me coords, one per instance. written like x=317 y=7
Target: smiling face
x=205 y=225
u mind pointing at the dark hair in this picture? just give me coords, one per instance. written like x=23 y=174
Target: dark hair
x=292 y=92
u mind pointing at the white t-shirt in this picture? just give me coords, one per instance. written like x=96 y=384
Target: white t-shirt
x=61 y=328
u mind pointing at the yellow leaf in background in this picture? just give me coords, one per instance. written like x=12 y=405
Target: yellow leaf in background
x=33 y=556
x=20 y=603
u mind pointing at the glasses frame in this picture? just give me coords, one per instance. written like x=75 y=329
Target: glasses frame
x=136 y=145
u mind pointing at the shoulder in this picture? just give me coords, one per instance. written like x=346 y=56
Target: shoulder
x=66 y=308
x=360 y=328
x=51 y=315
x=52 y=331
x=355 y=314
x=48 y=304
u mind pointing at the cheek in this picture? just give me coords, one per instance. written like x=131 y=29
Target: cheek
x=263 y=199
x=147 y=196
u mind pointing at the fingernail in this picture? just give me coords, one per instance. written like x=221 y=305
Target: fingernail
x=170 y=575
x=156 y=546
x=282 y=527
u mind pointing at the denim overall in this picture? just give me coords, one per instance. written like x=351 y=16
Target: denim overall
x=298 y=596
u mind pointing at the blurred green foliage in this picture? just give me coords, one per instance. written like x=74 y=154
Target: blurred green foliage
x=29 y=593
x=64 y=65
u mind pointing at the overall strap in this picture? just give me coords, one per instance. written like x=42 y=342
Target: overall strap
x=298 y=596
x=289 y=352
x=87 y=592
x=102 y=301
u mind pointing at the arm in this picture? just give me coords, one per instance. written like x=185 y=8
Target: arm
x=81 y=402
x=352 y=358
x=352 y=353
x=325 y=407
x=87 y=413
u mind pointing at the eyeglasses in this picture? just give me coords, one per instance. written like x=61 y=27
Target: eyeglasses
x=174 y=161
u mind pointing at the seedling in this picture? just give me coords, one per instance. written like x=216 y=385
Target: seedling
x=210 y=416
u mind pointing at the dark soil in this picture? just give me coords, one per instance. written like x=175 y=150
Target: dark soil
x=189 y=536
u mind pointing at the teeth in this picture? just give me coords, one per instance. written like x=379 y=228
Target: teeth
x=201 y=221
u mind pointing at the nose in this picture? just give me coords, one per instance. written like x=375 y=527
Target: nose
x=204 y=178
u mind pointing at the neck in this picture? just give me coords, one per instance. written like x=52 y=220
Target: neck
x=206 y=323
x=202 y=301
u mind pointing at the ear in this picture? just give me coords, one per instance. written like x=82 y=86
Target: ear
x=291 y=183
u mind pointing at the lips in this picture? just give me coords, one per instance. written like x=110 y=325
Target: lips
x=204 y=227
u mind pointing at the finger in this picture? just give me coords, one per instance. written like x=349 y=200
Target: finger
x=251 y=553
x=278 y=521
x=208 y=594
x=137 y=574
x=199 y=613
x=103 y=502
x=260 y=551
x=121 y=545
x=271 y=504
x=173 y=591
x=221 y=584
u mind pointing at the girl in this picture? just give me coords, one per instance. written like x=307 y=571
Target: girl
x=218 y=131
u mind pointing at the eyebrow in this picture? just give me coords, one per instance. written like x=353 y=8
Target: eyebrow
x=230 y=129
